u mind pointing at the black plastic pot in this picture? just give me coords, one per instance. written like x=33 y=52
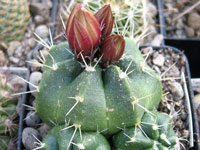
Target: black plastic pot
x=190 y=46
x=189 y=94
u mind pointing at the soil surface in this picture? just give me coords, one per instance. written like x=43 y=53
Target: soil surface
x=185 y=26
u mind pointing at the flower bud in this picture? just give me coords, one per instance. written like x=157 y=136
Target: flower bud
x=105 y=18
x=83 y=31
x=112 y=49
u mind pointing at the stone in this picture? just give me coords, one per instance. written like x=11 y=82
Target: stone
x=42 y=31
x=37 y=8
x=189 y=31
x=39 y=19
x=32 y=119
x=18 y=52
x=43 y=130
x=151 y=9
x=180 y=24
x=194 y=20
x=177 y=90
x=14 y=60
x=3 y=59
x=12 y=47
x=31 y=42
x=196 y=99
x=157 y=41
x=35 y=78
x=29 y=136
x=159 y=60
x=173 y=72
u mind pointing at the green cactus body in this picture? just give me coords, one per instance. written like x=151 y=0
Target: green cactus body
x=154 y=133
x=97 y=99
x=60 y=138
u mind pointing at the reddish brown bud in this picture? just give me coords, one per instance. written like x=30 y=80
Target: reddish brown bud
x=105 y=17
x=83 y=31
x=112 y=49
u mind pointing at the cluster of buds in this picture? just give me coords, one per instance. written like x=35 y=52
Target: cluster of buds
x=87 y=32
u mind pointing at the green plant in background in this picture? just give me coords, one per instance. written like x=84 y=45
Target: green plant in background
x=14 y=18
x=8 y=113
x=94 y=86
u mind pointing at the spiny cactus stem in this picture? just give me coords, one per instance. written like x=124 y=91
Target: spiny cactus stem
x=42 y=42
x=63 y=24
x=79 y=145
x=53 y=67
x=132 y=139
x=67 y=127
x=39 y=143
x=145 y=109
x=37 y=88
x=30 y=107
x=69 y=51
x=72 y=137
x=87 y=68
x=164 y=137
x=124 y=75
x=78 y=99
x=139 y=126
x=154 y=126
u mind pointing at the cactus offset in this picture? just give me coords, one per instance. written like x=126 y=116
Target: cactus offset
x=59 y=139
x=154 y=132
x=14 y=18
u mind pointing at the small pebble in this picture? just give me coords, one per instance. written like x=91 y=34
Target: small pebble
x=43 y=130
x=157 y=41
x=159 y=60
x=173 y=72
x=14 y=60
x=28 y=138
x=196 y=99
x=189 y=31
x=12 y=47
x=32 y=119
x=3 y=59
x=42 y=31
x=176 y=90
x=31 y=42
x=35 y=78
x=39 y=19
x=194 y=20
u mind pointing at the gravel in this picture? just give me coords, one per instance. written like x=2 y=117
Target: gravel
x=185 y=26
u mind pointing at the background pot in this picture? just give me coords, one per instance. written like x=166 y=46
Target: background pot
x=190 y=46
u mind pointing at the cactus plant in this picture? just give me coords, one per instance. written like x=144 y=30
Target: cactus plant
x=14 y=18
x=91 y=98
x=8 y=113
